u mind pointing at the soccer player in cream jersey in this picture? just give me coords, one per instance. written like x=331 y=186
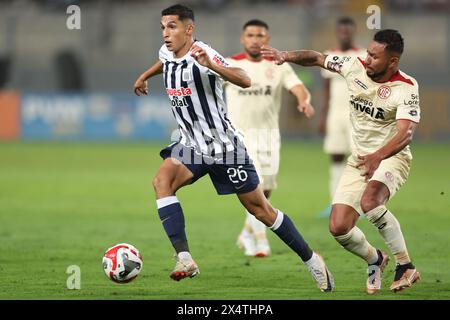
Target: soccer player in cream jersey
x=254 y=112
x=384 y=113
x=334 y=119
x=193 y=75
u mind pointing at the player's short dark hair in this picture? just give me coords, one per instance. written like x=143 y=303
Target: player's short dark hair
x=392 y=38
x=346 y=21
x=257 y=23
x=179 y=10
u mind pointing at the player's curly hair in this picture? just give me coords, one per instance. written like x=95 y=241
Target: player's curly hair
x=392 y=38
x=179 y=10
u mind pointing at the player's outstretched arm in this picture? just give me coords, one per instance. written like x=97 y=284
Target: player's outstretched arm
x=140 y=86
x=306 y=58
x=403 y=137
x=234 y=75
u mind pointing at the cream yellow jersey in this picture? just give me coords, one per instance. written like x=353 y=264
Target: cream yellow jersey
x=338 y=100
x=258 y=107
x=375 y=107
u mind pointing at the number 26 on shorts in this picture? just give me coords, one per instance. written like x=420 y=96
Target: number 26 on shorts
x=237 y=175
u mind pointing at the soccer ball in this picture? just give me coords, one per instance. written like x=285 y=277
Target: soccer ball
x=122 y=263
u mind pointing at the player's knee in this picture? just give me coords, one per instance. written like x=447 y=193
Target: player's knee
x=338 y=228
x=368 y=203
x=161 y=184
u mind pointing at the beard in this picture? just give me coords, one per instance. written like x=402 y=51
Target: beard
x=376 y=75
x=345 y=46
x=254 y=55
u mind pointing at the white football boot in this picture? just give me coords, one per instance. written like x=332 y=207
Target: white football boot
x=184 y=268
x=247 y=243
x=262 y=248
x=375 y=273
x=320 y=273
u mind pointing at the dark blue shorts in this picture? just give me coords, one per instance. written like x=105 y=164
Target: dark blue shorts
x=232 y=173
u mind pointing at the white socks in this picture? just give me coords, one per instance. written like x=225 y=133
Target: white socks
x=278 y=221
x=389 y=228
x=184 y=255
x=166 y=201
x=355 y=242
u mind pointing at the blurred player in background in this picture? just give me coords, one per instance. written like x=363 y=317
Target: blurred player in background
x=384 y=113
x=334 y=120
x=254 y=111
x=209 y=144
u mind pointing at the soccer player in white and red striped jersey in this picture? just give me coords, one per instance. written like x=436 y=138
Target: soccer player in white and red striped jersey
x=384 y=113
x=209 y=144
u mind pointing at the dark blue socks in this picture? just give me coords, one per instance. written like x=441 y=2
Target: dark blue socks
x=285 y=229
x=172 y=218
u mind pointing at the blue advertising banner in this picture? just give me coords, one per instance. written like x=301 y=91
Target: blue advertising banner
x=95 y=117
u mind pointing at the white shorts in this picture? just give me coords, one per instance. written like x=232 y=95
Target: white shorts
x=263 y=146
x=392 y=172
x=337 y=137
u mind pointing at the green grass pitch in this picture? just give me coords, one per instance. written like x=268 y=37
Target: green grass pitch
x=65 y=204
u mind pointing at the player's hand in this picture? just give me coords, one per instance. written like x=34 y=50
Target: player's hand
x=201 y=56
x=307 y=109
x=279 y=57
x=322 y=126
x=370 y=163
x=140 y=87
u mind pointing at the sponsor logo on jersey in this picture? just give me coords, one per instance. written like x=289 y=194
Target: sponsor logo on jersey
x=186 y=75
x=413 y=101
x=178 y=102
x=219 y=60
x=413 y=113
x=367 y=107
x=183 y=92
x=256 y=91
x=384 y=92
x=270 y=74
x=334 y=66
x=389 y=176
x=337 y=63
x=361 y=84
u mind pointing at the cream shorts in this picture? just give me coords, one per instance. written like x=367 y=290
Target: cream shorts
x=264 y=150
x=337 y=138
x=392 y=172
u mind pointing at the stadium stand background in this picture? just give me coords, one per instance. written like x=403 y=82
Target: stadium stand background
x=40 y=57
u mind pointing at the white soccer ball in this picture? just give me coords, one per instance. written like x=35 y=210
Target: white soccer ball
x=122 y=263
